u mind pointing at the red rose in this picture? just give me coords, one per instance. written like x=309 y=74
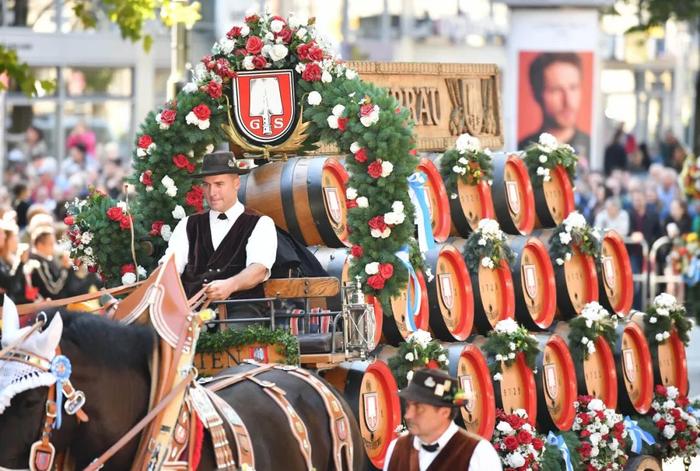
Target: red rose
x=180 y=160
x=240 y=52
x=537 y=444
x=127 y=268
x=386 y=270
x=366 y=109
x=342 y=123
x=167 y=116
x=585 y=419
x=190 y=167
x=585 y=449
x=285 y=34
x=254 y=45
x=202 y=112
x=303 y=51
x=361 y=155
x=377 y=222
x=252 y=19
x=682 y=444
x=432 y=364
x=145 y=141
x=356 y=251
x=585 y=433
x=156 y=227
x=316 y=54
x=92 y=268
x=660 y=424
x=524 y=437
x=510 y=442
x=68 y=220
x=147 y=178
x=375 y=169
x=312 y=73
x=234 y=32
x=376 y=282
x=681 y=426
x=125 y=222
x=259 y=62
x=676 y=413
x=661 y=390
x=115 y=213
x=195 y=197
x=214 y=89
x=350 y=204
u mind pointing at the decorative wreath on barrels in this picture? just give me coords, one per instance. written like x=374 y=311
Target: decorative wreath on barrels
x=662 y=316
x=420 y=350
x=574 y=231
x=505 y=341
x=543 y=156
x=595 y=321
x=517 y=443
x=677 y=428
x=467 y=162
x=363 y=121
x=487 y=247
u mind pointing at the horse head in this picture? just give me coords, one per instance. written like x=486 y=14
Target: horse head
x=23 y=387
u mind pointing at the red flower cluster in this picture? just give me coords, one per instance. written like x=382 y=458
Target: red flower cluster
x=605 y=450
x=155 y=228
x=214 y=89
x=254 y=45
x=386 y=271
x=127 y=268
x=356 y=251
x=361 y=155
x=309 y=52
x=678 y=428
x=147 y=178
x=366 y=109
x=513 y=437
x=312 y=72
x=145 y=141
x=69 y=220
x=195 y=198
x=377 y=222
x=167 y=116
x=116 y=214
x=202 y=112
x=342 y=124
x=374 y=169
x=221 y=67
x=181 y=161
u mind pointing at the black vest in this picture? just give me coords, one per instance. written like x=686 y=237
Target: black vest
x=204 y=264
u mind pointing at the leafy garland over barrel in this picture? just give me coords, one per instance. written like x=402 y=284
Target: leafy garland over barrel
x=466 y=162
x=543 y=156
x=574 y=231
x=364 y=121
x=487 y=247
x=665 y=314
x=594 y=321
x=505 y=341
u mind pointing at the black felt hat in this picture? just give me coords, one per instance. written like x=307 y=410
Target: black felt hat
x=221 y=162
x=435 y=387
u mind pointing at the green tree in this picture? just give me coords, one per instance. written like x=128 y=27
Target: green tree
x=129 y=15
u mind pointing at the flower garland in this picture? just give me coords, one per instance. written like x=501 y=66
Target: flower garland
x=594 y=321
x=287 y=343
x=99 y=221
x=678 y=430
x=690 y=176
x=517 y=443
x=364 y=121
x=546 y=154
x=505 y=341
x=466 y=162
x=419 y=351
x=574 y=230
x=601 y=435
x=665 y=314
x=487 y=247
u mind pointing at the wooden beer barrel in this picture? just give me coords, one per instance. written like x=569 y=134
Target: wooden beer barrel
x=576 y=280
x=494 y=300
x=643 y=463
x=468 y=364
x=337 y=263
x=513 y=198
x=437 y=199
x=635 y=376
x=668 y=358
x=533 y=283
x=517 y=388
x=370 y=390
x=304 y=196
x=395 y=327
x=450 y=297
x=556 y=386
x=616 y=288
x=554 y=200
x=596 y=375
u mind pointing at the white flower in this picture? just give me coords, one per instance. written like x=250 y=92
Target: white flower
x=662 y=312
x=482 y=241
x=141 y=271
x=672 y=392
x=209 y=149
x=669 y=404
x=595 y=438
x=387 y=168
x=504 y=427
x=128 y=278
x=397 y=207
x=499 y=357
x=559 y=261
x=226 y=45
x=409 y=356
x=421 y=337
x=269 y=37
x=314 y=98
x=596 y=405
x=192 y=118
x=294 y=21
x=589 y=323
x=549 y=141
x=506 y=326
x=442 y=358
x=166 y=232
x=332 y=122
x=467 y=143
x=371 y=118
x=565 y=237
x=278 y=52
x=301 y=33
x=171 y=191
x=326 y=77
x=372 y=268
x=486 y=262
x=584 y=340
x=511 y=346
x=540 y=170
x=574 y=220
x=567 y=257
x=511 y=356
x=515 y=460
x=669 y=431
x=88 y=251
x=459 y=170
x=497 y=377
x=248 y=63
x=659 y=337
x=350 y=193
x=394 y=218
x=354 y=147
x=276 y=26
x=86 y=237
x=489 y=229
x=665 y=300
x=179 y=212
x=338 y=110
x=190 y=87
x=362 y=202
x=350 y=74
x=543 y=158
x=666 y=335
x=409 y=375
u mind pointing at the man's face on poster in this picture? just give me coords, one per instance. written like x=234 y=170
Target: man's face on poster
x=561 y=94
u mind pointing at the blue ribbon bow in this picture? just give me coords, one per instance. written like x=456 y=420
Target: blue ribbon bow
x=413 y=297
x=692 y=272
x=416 y=191
x=558 y=441
x=638 y=435
x=61 y=369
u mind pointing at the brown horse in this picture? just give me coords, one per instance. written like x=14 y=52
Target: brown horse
x=110 y=365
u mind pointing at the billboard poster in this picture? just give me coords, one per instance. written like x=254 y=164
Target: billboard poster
x=555 y=95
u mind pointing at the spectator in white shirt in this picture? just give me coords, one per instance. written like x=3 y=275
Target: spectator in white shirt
x=612 y=217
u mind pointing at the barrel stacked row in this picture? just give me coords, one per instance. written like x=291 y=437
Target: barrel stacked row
x=307 y=197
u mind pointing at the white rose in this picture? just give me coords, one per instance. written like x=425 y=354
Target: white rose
x=278 y=52
x=506 y=326
x=362 y=202
x=314 y=98
x=190 y=87
x=548 y=140
x=511 y=356
x=301 y=33
x=276 y=26
x=86 y=237
x=226 y=45
x=669 y=431
x=499 y=357
x=559 y=261
x=565 y=237
x=166 y=232
x=128 y=278
x=245 y=31
x=672 y=392
x=504 y=427
x=171 y=191
x=442 y=358
x=387 y=168
x=596 y=405
x=326 y=77
x=141 y=271
x=166 y=181
x=350 y=193
x=485 y=262
x=248 y=63
x=269 y=37
x=543 y=158
x=516 y=460
x=332 y=122
x=397 y=207
x=467 y=143
x=409 y=356
x=179 y=212
x=372 y=268
x=354 y=147
x=409 y=375
x=350 y=74
x=497 y=377
x=88 y=251
x=338 y=110
x=659 y=337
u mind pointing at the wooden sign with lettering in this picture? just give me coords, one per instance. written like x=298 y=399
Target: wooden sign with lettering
x=445 y=100
x=211 y=363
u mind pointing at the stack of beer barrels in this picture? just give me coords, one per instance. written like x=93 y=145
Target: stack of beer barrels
x=307 y=198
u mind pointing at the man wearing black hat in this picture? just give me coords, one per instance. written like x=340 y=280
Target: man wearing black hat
x=434 y=442
x=229 y=250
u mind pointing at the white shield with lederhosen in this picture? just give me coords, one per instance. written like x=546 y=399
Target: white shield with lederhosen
x=550 y=381
x=608 y=271
x=333 y=204
x=446 y=289
x=530 y=275
x=370 y=402
x=513 y=197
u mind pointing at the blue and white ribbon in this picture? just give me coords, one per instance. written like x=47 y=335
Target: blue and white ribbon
x=692 y=273
x=558 y=441
x=638 y=435
x=419 y=198
x=61 y=369
x=413 y=296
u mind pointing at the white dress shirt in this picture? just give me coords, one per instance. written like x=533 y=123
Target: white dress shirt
x=484 y=456
x=261 y=247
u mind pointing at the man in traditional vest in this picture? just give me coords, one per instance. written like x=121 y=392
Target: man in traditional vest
x=229 y=250
x=434 y=442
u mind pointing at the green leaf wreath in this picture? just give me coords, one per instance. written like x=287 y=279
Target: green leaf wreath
x=594 y=321
x=665 y=314
x=466 y=162
x=362 y=120
x=419 y=351
x=487 y=247
x=505 y=341
x=288 y=344
x=546 y=154
x=574 y=231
